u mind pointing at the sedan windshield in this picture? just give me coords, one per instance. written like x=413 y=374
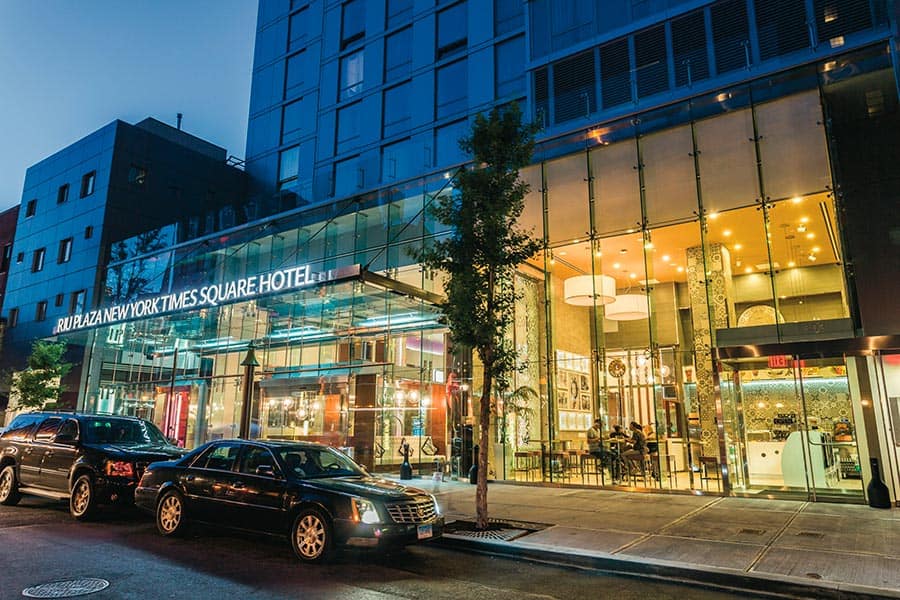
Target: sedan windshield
x=101 y=430
x=307 y=462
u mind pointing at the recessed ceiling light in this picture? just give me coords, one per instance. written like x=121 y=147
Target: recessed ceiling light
x=633 y=275
x=812 y=257
x=599 y=254
x=796 y=199
x=713 y=216
x=726 y=233
x=792 y=264
x=804 y=219
x=617 y=265
x=801 y=228
x=680 y=269
x=810 y=235
x=738 y=246
x=665 y=258
x=562 y=252
x=748 y=270
x=816 y=249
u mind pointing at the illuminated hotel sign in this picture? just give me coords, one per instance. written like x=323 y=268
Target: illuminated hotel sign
x=210 y=295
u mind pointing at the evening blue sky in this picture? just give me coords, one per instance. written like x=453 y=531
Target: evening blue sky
x=68 y=67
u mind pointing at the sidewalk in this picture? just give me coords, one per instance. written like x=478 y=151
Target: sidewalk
x=778 y=547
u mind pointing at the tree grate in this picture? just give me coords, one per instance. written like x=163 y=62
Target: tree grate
x=503 y=535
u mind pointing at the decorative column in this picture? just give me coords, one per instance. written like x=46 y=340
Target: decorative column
x=712 y=307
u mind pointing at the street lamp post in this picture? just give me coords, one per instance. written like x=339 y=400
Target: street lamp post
x=249 y=363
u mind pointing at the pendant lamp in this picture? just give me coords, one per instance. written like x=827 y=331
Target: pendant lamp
x=628 y=307
x=587 y=290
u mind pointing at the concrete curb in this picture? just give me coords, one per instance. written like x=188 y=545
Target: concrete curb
x=774 y=586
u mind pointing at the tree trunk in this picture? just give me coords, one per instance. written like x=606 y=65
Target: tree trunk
x=484 y=435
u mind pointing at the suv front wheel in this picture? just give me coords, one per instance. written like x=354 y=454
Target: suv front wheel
x=9 y=487
x=83 y=503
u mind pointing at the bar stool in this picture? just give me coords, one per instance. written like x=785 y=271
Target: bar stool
x=637 y=466
x=590 y=464
x=559 y=464
x=522 y=463
x=710 y=471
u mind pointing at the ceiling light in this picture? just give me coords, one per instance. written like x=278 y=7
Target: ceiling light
x=815 y=249
x=738 y=262
x=713 y=216
x=796 y=199
x=738 y=246
x=748 y=270
x=628 y=307
x=810 y=235
x=648 y=246
x=804 y=219
x=585 y=290
x=623 y=251
x=812 y=257
x=633 y=275
x=617 y=265
x=726 y=233
x=680 y=269
x=562 y=252
x=665 y=258
x=792 y=264
x=598 y=254
x=801 y=228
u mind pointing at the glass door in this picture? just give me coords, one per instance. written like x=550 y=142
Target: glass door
x=831 y=454
x=790 y=428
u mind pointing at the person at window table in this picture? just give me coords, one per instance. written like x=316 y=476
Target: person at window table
x=638 y=445
x=594 y=435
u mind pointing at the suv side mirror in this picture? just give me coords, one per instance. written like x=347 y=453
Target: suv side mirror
x=265 y=470
x=64 y=438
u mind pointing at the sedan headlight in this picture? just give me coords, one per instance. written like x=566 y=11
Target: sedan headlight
x=437 y=507
x=364 y=511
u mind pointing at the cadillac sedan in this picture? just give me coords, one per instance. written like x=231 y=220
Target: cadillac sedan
x=312 y=493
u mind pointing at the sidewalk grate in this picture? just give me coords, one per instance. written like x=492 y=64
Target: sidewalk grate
x=502 y=535
x=748 y=531
x=66 y=589
x=812 y=534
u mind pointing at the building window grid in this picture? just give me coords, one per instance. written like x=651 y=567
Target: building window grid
x=31 y=208
x=353 y=22
x=7 y=258
x=352 y=72
x=58 y=301
x=88 y=181
x=37 y=260
x=40 y=312
x=65 y=251
x=77 y=302
x=398 y=54
x=13 y=319
x=452 y=35
x=62 y=194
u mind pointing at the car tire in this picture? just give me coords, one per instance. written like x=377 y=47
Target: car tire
x=311 y=536
x=83 y=500
x=170 y=514
x=9 y=487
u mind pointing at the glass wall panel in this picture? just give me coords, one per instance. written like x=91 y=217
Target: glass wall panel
x=616 y=187
x=669 y=178
x=792 y=146
x=532 y=218
x=567 y=198
x=728 y=174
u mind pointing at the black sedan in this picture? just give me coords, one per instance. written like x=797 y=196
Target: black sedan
x=316 y=495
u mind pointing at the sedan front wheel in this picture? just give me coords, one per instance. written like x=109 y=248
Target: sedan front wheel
x=311 y=536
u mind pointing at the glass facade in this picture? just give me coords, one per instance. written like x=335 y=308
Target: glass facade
x=702 y=226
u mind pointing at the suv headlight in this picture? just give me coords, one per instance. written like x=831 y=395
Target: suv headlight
x=437 y=507
x=364 y=511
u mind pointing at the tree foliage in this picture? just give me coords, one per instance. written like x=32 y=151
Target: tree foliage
x=481 y=254
x=40 y=382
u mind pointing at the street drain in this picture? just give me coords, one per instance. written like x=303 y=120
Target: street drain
x=752 y=531
x=503 y=535
x=814 y=576
x=812 y=534
x=66 y=589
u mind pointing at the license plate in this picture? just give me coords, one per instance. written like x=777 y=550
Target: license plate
x=423 y=532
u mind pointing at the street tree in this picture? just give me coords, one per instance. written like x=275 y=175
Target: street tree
x=480 y=255
x=41 y=381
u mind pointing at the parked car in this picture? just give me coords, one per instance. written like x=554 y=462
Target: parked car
x=312 y=493
x=86 y=459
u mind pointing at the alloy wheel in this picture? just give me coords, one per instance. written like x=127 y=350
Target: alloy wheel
x=5 y=484
x=81 y=497
x=170 y=513
x=310 y=536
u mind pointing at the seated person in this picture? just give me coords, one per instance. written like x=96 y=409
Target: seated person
x=308 y=464
x=595 y=447
x=638 y=446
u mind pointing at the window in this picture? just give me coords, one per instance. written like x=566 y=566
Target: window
x=37 y=260
x=87 y=183
x=348 y=127
x=451 y=89
x=88 y=232
x=574 y=87
x=508 y=15
x=76 y=303
x=289 y=165
x=398 y=160
x=447 y=143
x=20 y=258
x=40 y=313
x=615 y=73
x=13 y=317
x=731 y=35
x=298 y=119
x=65 y=251
x=398 y=12
x=509 y=70
x=352 y=67
x=221 y=457
x=59 y=300
x=349 y=177
x=651 y=61
x=7 y=258
x=398 y=54
x=296 y=73
x=451 y=31
x=298 y=29
x=62 y=194
x=396 y=110
x=137 y=175
x=353 y=22
x=31 y=208
x=48 y=429
x=689 y=49
x=255 y=457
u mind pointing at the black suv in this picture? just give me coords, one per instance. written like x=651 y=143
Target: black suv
x=85 y=458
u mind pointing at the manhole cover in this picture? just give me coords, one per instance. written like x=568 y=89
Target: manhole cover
x=66 y=589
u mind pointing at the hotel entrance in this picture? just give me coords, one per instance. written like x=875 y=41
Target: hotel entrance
x=791 y=427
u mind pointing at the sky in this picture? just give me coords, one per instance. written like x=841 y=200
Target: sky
x=69 y=67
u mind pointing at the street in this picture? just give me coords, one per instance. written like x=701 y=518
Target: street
x=40 y=543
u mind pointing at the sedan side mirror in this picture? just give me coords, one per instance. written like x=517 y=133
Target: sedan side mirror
x=265 y=470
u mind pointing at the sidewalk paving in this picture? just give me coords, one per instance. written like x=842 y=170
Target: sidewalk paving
x=778 y=547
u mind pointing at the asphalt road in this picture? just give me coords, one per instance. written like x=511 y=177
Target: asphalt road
x=40 y=543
